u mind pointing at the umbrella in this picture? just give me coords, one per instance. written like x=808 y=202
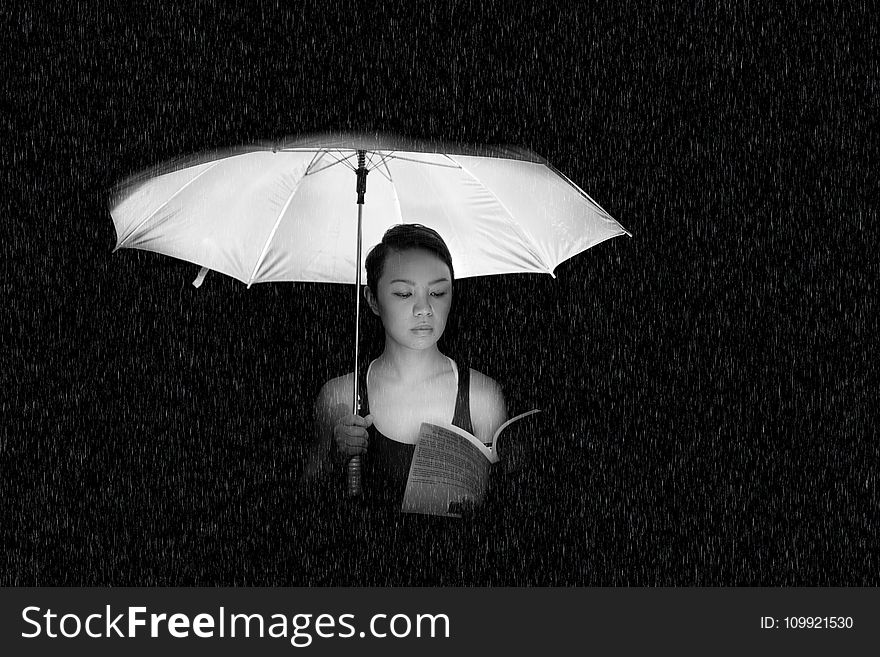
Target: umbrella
x=282 y=212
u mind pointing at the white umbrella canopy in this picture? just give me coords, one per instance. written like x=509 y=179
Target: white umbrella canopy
x=285 y=212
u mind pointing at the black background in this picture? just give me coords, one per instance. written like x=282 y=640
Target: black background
x=708 y=378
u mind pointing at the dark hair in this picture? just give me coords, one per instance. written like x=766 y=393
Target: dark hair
x=404 y=237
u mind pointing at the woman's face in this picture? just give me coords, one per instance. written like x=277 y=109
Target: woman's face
x=413 y=298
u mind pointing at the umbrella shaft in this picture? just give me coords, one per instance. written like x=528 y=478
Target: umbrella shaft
x=357 y=310
x=353 y=469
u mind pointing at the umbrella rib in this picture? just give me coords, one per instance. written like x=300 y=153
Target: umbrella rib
x=524 y=236
x=325 y=167
x=170 y=198
x=382 y=155
x=315 y=158
x=315 y=149
x=321 y=153
x=378 y=168
x=344 y=158
x=431 y=164
x=384 y=159
x=272 y=233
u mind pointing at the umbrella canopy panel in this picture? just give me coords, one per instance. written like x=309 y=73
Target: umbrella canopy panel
x=289 y=214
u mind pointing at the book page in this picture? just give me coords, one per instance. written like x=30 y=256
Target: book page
x=501 y=429
x=449 y=467
x=521 y=443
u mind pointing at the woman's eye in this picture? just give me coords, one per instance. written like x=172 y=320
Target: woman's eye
x=402 y=295
x=437 y=294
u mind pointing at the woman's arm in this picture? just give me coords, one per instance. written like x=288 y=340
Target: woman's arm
x=488 y=407
x=337 y=433
x=318 y=459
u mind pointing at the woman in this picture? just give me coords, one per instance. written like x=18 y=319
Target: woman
x=409 y=288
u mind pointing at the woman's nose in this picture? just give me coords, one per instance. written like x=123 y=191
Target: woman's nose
x=423 y=307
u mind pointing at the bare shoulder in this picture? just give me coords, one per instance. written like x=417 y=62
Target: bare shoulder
x=335 y=392
x=483 y=385
x=488 y=408
x=335 y=388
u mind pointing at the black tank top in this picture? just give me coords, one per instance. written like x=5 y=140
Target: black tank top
x=387 y=462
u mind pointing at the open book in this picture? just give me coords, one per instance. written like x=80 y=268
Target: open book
x=450 y=468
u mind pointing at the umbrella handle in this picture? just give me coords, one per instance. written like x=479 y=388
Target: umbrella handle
x=353 y=476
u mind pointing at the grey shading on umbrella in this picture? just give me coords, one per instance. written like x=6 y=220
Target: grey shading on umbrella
x=282 y=212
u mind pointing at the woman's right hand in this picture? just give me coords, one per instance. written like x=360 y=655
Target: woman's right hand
x=350 y=435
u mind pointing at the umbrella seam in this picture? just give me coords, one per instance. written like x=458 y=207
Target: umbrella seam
x=394 y=191
x=586 y=196
x=511 y=220
x=165 y=204
x=274 y=230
